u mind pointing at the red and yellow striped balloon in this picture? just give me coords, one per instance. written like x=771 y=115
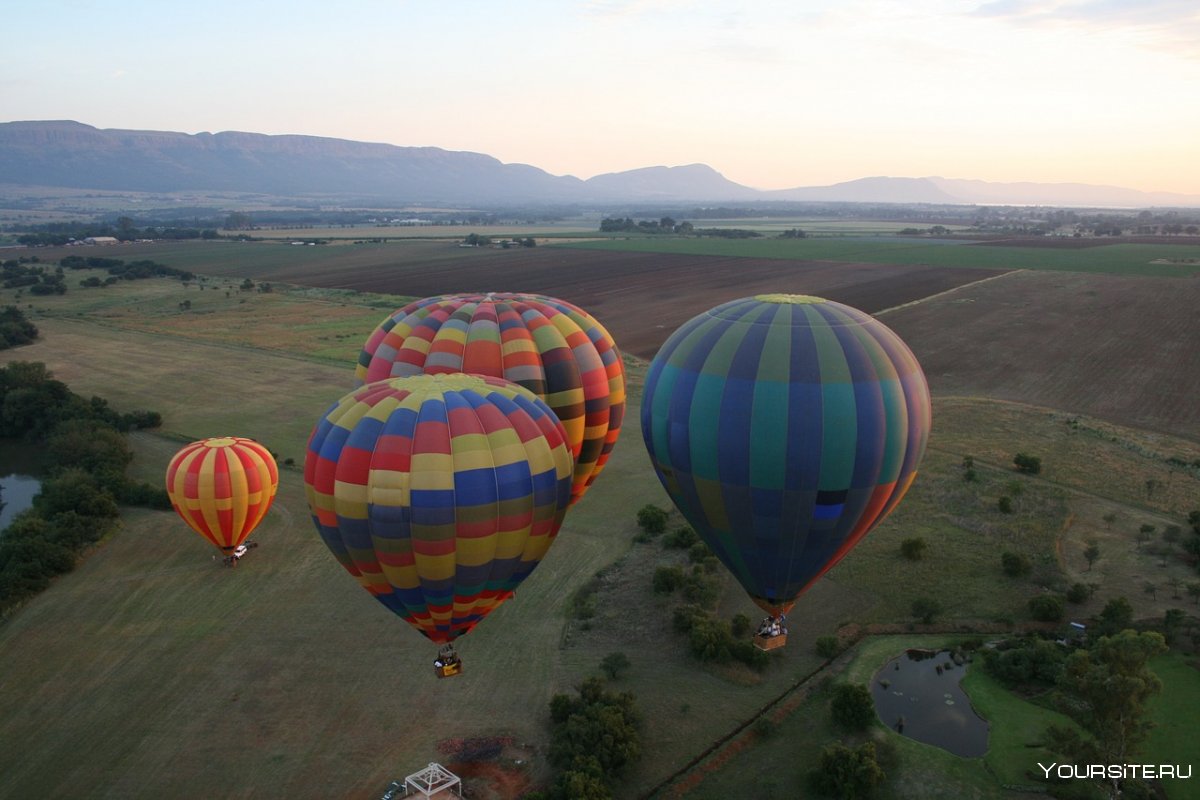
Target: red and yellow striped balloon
x=223 y=487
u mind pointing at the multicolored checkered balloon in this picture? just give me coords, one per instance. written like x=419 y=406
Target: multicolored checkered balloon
x=784 y=427
x=223 y=487
x=439 y=493
x=552 y=348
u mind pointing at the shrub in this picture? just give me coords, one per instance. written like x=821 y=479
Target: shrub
x=852 y=706
x=1026 y=463
x=614 y=664
x=847 y=773
x=667 y=579
x=740 y=625
x=1046 y=608
x=1005 y=504
x=926 y=609
x=682 y=538
x=652 y=519
x=1015 y=565
x=828 y=646
x=913 y=549
x=1078 y=593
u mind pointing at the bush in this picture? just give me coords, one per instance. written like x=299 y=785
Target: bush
x=701 y=590
x=614 y=664
x=698 y=552
x=913 y=549
x=847 y=773
x=668 y=579
x=652 y=519
x=852 y=706
x=1026 y=463
x=1078 y=593
x=682 y=538
x=1015 y=565
x=740 y=625
x=1026 y=662
x=1046 y=608
x=1005 y=504
x=828 y=646
x=926 y=609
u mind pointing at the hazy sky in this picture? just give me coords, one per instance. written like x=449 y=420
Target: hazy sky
x=780 y=94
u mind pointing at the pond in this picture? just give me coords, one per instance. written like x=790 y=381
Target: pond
x=919 y=695
x=17 y=486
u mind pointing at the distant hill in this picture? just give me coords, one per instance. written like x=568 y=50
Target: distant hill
x=70 y=154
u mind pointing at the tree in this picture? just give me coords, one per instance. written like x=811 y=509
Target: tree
x=1176 y=584
x=1145 y=533
x=652 y=519
x=1026 y=463
x=1171 y=534
x=1150 y=589
x=845 y=773
x=1106 y=688
x=1005 y=504
x=1046 y=608
x=926 y=609
x=913 y=549
x=1091 y=554
x=1193 y=590
x=1078 y=593
x=598 y=724
x=852 y=706
x=614 y=664
x=1116 y=616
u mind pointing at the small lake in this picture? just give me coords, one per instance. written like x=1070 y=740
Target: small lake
x=16 y=495
x=17 y=485
x=919 y=695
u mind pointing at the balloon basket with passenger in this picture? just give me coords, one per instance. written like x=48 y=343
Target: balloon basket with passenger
x=448 y=663
x=772 y=633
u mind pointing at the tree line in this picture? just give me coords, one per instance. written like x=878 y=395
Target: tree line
x=84 y=455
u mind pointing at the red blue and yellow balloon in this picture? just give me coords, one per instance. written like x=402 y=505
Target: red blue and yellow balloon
x=784 y=428
x=223 y=487
x=550 y=347
x=439 y=493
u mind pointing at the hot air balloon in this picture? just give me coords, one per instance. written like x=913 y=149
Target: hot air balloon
x=784 y=428
x=440 y=494
x=550 y=347
x=223 y=487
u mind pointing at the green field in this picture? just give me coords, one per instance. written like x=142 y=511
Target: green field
x=1117 y=259
x=152 y=672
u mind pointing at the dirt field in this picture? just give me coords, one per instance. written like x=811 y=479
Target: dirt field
x=642 y=297
x=1122 y=349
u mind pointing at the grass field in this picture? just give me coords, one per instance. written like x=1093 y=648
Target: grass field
x=151 y=672
x=1116 y=259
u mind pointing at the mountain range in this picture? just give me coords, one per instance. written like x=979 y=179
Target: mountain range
x=69 y=154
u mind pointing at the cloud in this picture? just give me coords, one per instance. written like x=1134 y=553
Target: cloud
x=1161 y=24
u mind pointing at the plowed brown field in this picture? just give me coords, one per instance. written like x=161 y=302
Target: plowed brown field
x=642 y=297
x=1119 y=348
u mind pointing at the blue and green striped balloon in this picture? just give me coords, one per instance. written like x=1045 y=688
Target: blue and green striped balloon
x=784 y=427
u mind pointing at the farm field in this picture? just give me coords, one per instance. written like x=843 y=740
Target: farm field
x=1115 y=347
x=171 y=676
x=1160 y=260
x=640 y=298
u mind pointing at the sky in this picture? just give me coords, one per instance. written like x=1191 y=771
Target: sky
x=771 y=94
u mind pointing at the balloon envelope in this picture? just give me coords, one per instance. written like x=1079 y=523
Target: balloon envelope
x=223 y=487
x=784 y=427
x=439 y=493
x=550 y=347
